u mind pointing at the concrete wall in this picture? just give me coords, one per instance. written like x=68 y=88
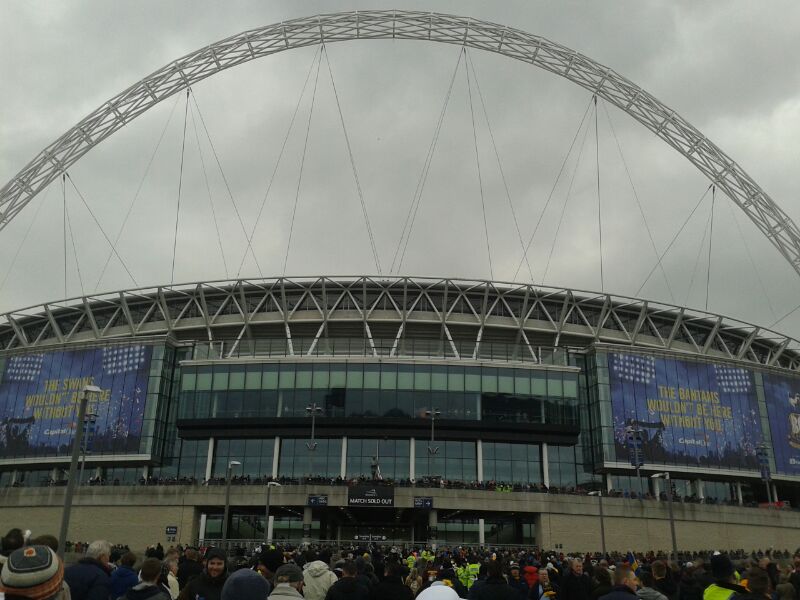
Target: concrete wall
x=138 y=515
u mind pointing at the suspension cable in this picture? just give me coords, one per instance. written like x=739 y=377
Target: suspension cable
x=762 y=287
x=208 y=190
x=138 y=191
x=64 y=225
x=599 y=205
x=225 y=180
x=100 y=227
x=553 y=189
x=278 y=162
x=499 y=162
x=478 y=166
x=636 y=197
x=180 y=187
x=24 y=239
x=75 y=253
x=353 y=166
x=697 y=260
x=302 y=165
x=566 y=201
x=710 y=240
x=675 y=237
x=411 y=216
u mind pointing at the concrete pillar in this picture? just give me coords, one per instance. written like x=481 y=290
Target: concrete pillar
x=307 y=524
x=699 y=489
x=739 y=495
x=482 y=532
x=276 y=451
x=545 y=466
x=202 y=533
x=412 y=458
x=609 y=485
x=339 y=533
x=775 y=493
x=656 y=488
x=479 y=447
x=343 y=463
x=433 y=524
x=209 y=459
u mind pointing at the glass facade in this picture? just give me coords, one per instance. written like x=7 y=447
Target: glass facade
x=300 y=458
x=231 y=390
x=450 y=460
x=512 y=463
x=392 y=456
x=254 y=454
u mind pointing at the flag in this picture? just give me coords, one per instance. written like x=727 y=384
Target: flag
x=633 y=563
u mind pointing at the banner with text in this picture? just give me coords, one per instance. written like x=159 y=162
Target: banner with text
x=782 y=395
x=370 y=495
x=39 y=397
x=693 y=414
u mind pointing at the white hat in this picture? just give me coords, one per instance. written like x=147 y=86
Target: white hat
x=438 y=591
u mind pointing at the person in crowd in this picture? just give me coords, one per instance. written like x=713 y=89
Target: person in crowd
x=414 y=581
x=531 y=575
x=664 y=581
x=602 y=582
x=169 y=580
x=479 y=582
x=794 y=577
x=648 y=590
x=496 y=586
x=148 y=588
x=392 y=587
x=759 y=585
x=45 y=540
x=576 y=585
x=189 y=568
x=516 y=581
x=724 y=575
x=694 y=581
x=438 y=591
x=208 y=584
x=349 y=587
x=245 y=584
x=124 y=577
x=625 y=584
x=785 y=590
x=448 y=576
x=288 y=582
x=545 y=589
x=89 y=578
x=317 y=578
x=33 y=573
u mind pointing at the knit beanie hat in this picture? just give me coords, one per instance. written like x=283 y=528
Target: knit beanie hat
x=721 y=567
x=245 y=584
x=33 y=572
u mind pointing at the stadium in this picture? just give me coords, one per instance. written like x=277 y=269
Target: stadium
x=409 y=410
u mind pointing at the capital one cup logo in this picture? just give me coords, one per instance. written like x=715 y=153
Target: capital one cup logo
x=794 y=421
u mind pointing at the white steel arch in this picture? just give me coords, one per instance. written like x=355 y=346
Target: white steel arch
x=728 y=176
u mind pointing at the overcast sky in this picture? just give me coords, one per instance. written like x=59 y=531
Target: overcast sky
x=728 y=68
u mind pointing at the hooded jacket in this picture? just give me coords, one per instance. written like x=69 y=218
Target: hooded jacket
x=146 y=591
x=317 y=578
x=531 y=575
x=205 y=586
x=122 y=579
x=347 y=588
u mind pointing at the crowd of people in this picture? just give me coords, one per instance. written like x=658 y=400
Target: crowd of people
x=31 y=569
x=421 y=482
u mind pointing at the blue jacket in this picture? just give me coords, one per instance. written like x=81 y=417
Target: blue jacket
x=88 y=580
x=122 y=579
x=620 y=592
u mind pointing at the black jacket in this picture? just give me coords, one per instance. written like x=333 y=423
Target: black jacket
x=187 y=570
x=204 y=586
x=88 y=579
x=391 y=588
x=347 y=588
x=575 y=587
x=495 y=589
x=620 y=592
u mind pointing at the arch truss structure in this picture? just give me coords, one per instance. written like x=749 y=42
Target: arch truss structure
x=664 y=122
x=396 y=317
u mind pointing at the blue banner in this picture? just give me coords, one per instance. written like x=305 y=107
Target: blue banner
x=39 y=397
x=692 y=414
x=783 y=409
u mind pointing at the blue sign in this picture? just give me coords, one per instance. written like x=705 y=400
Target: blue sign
x=39 y=400
x=782 y=395
x=423 y=502
x=693 y=414
x=317 y=501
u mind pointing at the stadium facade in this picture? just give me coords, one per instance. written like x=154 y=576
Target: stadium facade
x=405 y=409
